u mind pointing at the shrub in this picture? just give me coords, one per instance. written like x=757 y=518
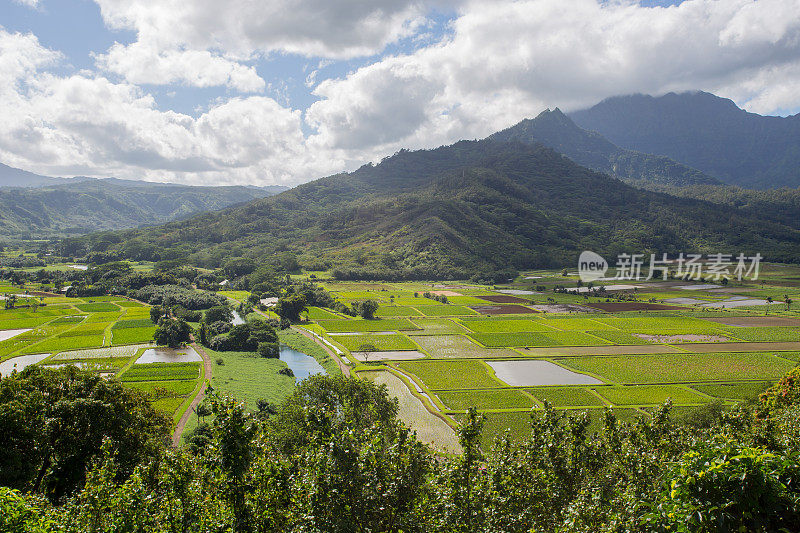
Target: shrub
x=269 y=350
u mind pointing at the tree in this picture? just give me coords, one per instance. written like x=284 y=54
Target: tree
x=787 y=301
x=218 y=313
x=54 y=423
x=367 y=350
x=367 y=309
x=269 y=350
x=290 y=307
x=157 y=313
x=172 y=333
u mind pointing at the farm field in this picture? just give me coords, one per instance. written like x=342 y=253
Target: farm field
x=641 y=347
x=103 y=334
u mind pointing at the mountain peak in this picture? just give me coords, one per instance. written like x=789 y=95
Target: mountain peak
x=704 y=131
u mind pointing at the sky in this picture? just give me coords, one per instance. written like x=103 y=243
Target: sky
x=285 y=91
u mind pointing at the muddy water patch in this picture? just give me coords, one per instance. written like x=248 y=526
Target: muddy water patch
x=19 y=363
x=535 y=373
x=169 y=355
x=6 y=334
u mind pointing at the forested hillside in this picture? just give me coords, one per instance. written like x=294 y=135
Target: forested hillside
x=452 y=211
x=555 y=130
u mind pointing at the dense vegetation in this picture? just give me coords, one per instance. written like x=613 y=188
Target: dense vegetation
x=333 y=457
x=84 y=206
x=457 y=211
x=705 y=132
x=555 y=130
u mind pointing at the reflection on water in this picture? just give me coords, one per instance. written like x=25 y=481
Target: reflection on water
x=237 y=320
x=6 y=367
x=169 y=355
x=301 y=364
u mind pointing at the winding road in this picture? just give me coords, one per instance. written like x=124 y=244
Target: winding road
x=176 y=435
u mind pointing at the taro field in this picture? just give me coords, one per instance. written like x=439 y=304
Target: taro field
x=507 y=350
x=104 y=334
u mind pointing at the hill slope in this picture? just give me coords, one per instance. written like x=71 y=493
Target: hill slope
x=705 y=132
x=474 y=205
x=86 y=205
x=592 y=150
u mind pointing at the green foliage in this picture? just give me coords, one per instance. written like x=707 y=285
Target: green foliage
x=366 y=309
x=724 y=485
x=170 y=295
x=493 y=399
x=362 y=326
x=567 y=396
x=55 y=421
x=290 y=307
x=100 y=307
x=172 y=333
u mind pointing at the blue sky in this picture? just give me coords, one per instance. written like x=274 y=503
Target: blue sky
x=186 y=91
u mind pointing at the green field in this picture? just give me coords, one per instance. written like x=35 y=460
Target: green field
x=100 y=307
x=566 y=396
x=437 y=326
x=132 y=335
x=445 y=310
x=733 y=391
x=380 y=342
x=161 y=372
x=651 y=394
x=248 y=377
x=677 y=368
x=499 y=340
x=396 y=310
x=502 y=325
x=318 y=313
x=362 y=326
x=493 y=399
x=457 y=346
x=444 y=375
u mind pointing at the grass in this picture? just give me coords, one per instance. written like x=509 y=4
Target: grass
x=498 y=340
x=567 y=396
x=135 y=323
x=132 y=335
x=161 y=372
x=396 y=310
x=100 y=307
x=167 y=405
x=444 y=375
x=651 y=394
x=103 y=317
x=128 y=303
x=770 y=334
x=500 y=325
x=86 y=329
x=492 y=399
x=582 y=324
x=363 y=326
x=437 y=326
x=24 y=323
x=619 y=337
x=239 y=296
x=318 y=313
x=445 y=310
x=380 y=342
x=59 y=344
x=662 y=325
x=301 y=343
x=248 y=377
x=452 y=346
x=733 y=391
x=672 y=368
x=174 y=387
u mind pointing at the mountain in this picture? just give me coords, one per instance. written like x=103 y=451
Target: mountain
x=15 y=177
x=592 y=150
x=703 y=131
x=83 y=205
x=453 y=211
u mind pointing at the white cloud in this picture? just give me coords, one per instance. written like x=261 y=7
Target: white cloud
x=509 y=59
x=143 y=64
x=29 y=3
x=90 y=125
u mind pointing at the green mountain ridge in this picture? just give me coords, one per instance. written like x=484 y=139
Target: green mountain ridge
x=87 y=205
x=703 y=131
x=451 y=211
x=557 y=131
